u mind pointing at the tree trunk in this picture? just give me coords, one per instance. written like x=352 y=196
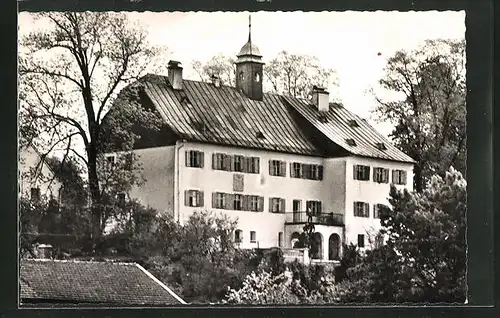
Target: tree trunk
x=95 y=195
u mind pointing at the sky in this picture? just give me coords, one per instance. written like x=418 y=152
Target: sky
x=348 y=42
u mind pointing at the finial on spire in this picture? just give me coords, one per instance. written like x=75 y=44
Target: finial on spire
x=249 y=28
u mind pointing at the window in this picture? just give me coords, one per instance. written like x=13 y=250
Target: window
x=257 y=77
x=276 y=205
x=313 y=207
x=380 y=175
x=194 y=159
x=237 y=202
x=238 y=236
x=399 y=177
x=277 y=168
x=296 y=205
x=35 y=194
x=110 y=161
x=361 y=240
x=361 y=209
x=296 y=170
x=361 y=172
x=221 y=161
x=193 y=198
x=376 y=210
x=253 y=203
x=280 y=239
x=238 y=163
x=306 y=171
x=253 y=237
x=253 y=165
x=219 y=200
x=242 y=76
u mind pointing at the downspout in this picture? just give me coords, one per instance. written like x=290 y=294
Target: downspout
x=179 y=144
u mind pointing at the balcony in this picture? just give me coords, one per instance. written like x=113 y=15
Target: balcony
x=333 y=219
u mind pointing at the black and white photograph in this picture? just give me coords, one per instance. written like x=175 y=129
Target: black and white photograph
x=242 y=158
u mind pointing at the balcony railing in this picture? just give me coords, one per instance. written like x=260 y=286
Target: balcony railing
x=335 y=219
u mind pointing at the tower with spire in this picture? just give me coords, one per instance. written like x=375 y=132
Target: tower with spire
x=249 y=68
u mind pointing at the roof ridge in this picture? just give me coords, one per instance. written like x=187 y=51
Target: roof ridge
x=47 y=260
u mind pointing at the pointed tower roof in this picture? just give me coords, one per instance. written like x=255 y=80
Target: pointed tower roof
x=249 y=51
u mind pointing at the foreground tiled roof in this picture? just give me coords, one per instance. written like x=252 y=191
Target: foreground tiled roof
x=91 y=282
x=224 y=115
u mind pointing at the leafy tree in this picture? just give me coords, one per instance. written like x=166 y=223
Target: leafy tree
x=70 y=74
x=429 y=113
x=425 y=256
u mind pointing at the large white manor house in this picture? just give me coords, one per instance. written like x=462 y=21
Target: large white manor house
x=266 y=159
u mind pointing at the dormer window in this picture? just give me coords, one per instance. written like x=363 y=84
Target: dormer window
x=381 y=146
x=350 y=142
x=353 y=123
x=259 y=135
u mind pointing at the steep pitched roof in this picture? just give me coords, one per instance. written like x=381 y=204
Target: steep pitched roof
x=340 y=125
x=92 y=282
x=224 y=115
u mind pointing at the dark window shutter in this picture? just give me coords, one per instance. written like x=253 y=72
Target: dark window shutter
x=257 y=165
x=292 y=171
x=354 y=172
x=367 y=209
x=271 y=204
x=404 y=176
x=229 y=201
x=283 y=168
x=261 y=204
x=271 y=170
x=386 y=175
x=244 y=164
x=202 y=159
x=394 y=176
x=283 y=207
x=305 y=171
x=187 y=156
x=320 y=208
x=186 y=197
x=230 y=160
x=375 y=174
x=201 y=198
x=214 y=200
x=320 y=172
x=244 y=202
x=214 y=161
x=354 y=208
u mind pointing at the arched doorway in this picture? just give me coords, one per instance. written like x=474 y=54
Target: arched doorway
x=316 y=250
x=294 y=239
x=334 y=247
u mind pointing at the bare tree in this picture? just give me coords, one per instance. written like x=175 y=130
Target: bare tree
x=220 y=66
x=70 y=74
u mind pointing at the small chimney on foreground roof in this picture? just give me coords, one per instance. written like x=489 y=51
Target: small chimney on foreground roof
x=44 y=251
x=321 y=98
x=175 y=74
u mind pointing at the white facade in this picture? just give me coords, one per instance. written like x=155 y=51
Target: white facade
x=36 y=176
x=168 y=177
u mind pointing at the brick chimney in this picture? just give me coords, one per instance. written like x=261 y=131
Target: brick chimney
x=175 y=74
x=321 y=98
x=216 y=81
